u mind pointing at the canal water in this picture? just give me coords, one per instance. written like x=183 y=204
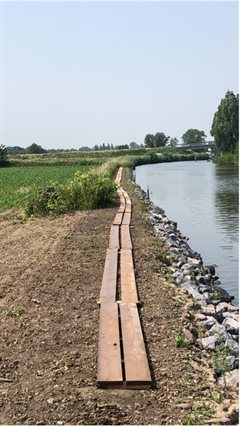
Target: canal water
x=202 y=198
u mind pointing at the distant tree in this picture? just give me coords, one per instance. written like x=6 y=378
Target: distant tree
x=173 y=142
x=160 y=139
x=14 y=150
x=134 y=145
x=149 y=141
x=111 y=147
x=193 y=136
x=122 y=146
x=35 y=149
x=96 y=148
x=3 y=156
x=84 y=148
x=225 y=125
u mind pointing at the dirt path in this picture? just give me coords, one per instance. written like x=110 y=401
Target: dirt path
x=50 y=272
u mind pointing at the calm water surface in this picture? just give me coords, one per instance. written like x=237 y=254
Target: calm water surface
x=203 y=199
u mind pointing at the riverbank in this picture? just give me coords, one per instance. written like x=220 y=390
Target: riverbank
x=51 y=272
x=231 y=158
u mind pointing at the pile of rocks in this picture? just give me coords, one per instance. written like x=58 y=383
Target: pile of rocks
x=218 y=317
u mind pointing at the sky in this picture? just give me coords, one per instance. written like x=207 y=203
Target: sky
x=83 y=73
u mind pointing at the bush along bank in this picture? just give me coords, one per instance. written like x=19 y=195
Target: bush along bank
x=217 y=317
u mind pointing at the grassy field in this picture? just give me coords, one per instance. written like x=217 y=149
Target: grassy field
x=17 y=182
x=28 y=172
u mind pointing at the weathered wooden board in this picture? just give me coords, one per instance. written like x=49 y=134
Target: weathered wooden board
x=114 y=237
x=135 y=358
x=126 y=242
x=127 y=277
x=118 y=219
x=109 y=354
x=109 y=281
x=126 y=219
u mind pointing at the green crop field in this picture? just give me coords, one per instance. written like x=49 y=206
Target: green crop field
x=17 y=182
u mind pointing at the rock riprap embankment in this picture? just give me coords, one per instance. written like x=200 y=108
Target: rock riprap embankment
x=217 y=317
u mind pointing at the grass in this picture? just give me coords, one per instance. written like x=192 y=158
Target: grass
x=197 y=416
x=17 y=182
x=14 y=312
x=161 y=253
x=180 y=340
x=227 y=158
x=29 y=172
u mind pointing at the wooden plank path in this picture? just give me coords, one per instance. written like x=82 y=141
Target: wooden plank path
x=122 y=357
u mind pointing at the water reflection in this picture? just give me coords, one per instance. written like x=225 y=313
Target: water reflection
x=227 y=200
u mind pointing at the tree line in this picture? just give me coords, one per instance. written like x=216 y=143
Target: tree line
x=225 y=131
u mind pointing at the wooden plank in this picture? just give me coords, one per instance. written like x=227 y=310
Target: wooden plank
x=109 y=281
x=128 y=209
x=118 y=219
x=126 y=242
x=127 y=278
x=126 y=196
x=109 y=354
x=135 y=357
x=114 y=237
x=126 y=219
x=121 y=209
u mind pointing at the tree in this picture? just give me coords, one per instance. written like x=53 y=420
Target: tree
x=35 y=149
x=160 y=139
x=3 y=156
x=173 y=142
x=225 y=125
x=149 y=141
x=134 y=145
x=193 y=136
x=122 y=146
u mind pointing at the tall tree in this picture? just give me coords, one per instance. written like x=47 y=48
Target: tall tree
x=149 y=141
x=160 y=139
x=225 y=125
x=193 y=136
x=35 y=149
x=3 y=156
x=173 y=142
x=134 y=145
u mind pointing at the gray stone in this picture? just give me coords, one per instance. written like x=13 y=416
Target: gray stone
x=194 y=262
x=188 y=267
x=223 y=307
x=233 y=315
x=230 y=361
x=209 y=322
x=200 y=279
x=179 y=279
x=232 y=346
x=209 y=269
x=192 y=289
x=231 y=325
x=219 y=331
x=222 y=365
x=209 y=310
x=230 y=378
x=202 y=288
x=208 y=342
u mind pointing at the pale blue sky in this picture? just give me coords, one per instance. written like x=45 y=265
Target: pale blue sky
x=84 y=73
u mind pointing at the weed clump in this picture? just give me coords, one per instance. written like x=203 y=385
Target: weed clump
x=85 y=191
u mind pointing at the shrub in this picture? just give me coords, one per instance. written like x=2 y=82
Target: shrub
x=85 y=191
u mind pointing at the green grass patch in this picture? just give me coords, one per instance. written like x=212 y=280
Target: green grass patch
x=12 y=312
x=86 y=191
x=227 y=158
x=16 y=183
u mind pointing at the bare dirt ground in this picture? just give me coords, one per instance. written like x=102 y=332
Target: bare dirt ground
x=50 y=272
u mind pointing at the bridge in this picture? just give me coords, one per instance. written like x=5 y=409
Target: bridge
x=208 y=146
